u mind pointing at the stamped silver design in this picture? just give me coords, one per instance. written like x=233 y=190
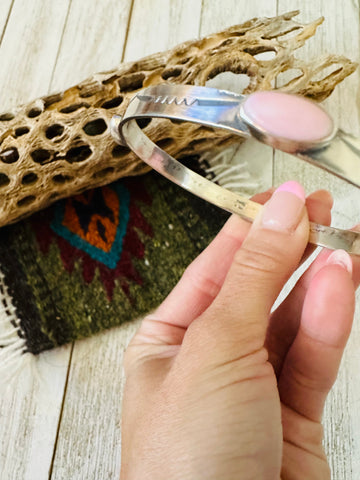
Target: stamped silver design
x=339 y=154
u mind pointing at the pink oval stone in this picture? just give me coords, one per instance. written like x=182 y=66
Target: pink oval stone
x=288 y=116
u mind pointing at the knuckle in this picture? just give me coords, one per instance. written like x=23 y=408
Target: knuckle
x=303 y=380
x=260 y=257
x=202 y=283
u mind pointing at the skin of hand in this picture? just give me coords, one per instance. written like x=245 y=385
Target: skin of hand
x=218 y=386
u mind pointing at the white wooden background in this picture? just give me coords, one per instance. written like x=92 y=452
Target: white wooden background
x=65 y=424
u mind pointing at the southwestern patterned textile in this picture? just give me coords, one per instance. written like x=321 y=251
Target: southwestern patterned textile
x=101 y=258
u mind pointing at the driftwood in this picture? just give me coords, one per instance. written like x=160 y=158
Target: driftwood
x=60 y=145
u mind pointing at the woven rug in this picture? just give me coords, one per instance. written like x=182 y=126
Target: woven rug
x=96 y=260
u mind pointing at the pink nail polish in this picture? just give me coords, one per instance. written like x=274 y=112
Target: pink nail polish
x=294 y=188
x=341 y=258
x=284 y=210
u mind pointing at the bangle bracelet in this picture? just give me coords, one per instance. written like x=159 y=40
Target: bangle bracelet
x=287 y=122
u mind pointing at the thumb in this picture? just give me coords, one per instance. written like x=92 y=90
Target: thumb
x=235 y=324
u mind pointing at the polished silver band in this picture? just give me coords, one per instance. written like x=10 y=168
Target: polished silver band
x=339 y=154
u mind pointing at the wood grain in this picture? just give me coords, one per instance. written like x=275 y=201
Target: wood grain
x=5 y=10
x=157 y=25
x=31 y=406
x=92 y=41
x=27 y=61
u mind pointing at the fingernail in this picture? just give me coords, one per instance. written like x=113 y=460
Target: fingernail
x=341 y=258
x=284 y=209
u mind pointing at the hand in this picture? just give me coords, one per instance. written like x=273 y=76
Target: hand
x=217 y=387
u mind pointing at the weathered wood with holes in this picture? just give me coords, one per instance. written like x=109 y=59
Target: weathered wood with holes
x=60 y=145
x=88 y=437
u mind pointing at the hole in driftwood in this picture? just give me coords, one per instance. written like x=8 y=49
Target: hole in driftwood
x=34 y=112
x=10 y=155
x=103 y=172
x=119 y=151
x=61 y=179
x=29 y=178
x=54 y=131
x=234 y=82
x=175 y=122
x=284 y=78
x=40 y=155
x=143 y=122
x=21 y=131
x=111 y=79
x=133 y=81
x=74 y=107
x=286 y=35
x=50 y=99
x=165 y=142
x=88 y=93
x=54 y=195
x=184 y=60
x=171 y=72
x=4 y=180
x=114 y=102
x=197 y=142
x=78 y=154
x=95 y=127
x=5 y=117
x=265 y=56
x=327 y=72
x=261 y=52
x=26 y=201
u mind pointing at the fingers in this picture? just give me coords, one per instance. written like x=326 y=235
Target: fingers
x=235 y=323
x=199 y=284
x=284 y=322
x=319 y=205
x=203 y=279
x=312 y=363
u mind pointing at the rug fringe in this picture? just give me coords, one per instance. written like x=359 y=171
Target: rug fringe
x=227 y=170
x=13 y=354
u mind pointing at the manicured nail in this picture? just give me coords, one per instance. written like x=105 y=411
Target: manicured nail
x=341 y=258
x=284 y=209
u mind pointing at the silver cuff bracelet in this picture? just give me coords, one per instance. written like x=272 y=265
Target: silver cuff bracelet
x=297 y=126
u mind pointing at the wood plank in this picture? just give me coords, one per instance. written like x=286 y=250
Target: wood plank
x=5 y=10
x=30 y=407
x=26 y=59
x=29 y=413
x=216 y=16
x=92 y=41
x=89 y=436
x=158 y=25
x=340 y=29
